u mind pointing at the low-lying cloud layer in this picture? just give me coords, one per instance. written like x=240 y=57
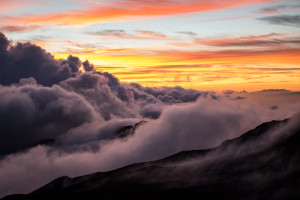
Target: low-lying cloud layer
x=82 y=112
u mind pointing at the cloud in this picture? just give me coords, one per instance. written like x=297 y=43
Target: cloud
x=199 y=125
x=288 y=20
x=260 y=40
x=189 y=33
x=170 y=95
x=239 y=98
x=31 y=113
x=73 y=98
x=274 y=91
x=228 y=55
x=280 y=8
x=112 y=33
x=127 y=10
x=25 y=60
x=88 y=66
x=13 y=29
x=274 y=107
x=83 y=112
x=150 y=34
x=4 y=43
x=10 y=5
x=95 y=89
x=73 y=62
x=136 y=35
x=272 y=9
x=275 y=99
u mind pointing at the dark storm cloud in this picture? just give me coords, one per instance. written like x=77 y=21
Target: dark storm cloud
x=96 y=90
x=30 y=114
x=88 y=66
x=4 y=43
x=113 y=82
x=73 y=62
x=25 y=60
x=289 y=20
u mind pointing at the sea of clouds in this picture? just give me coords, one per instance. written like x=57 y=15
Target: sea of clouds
x=81 y=110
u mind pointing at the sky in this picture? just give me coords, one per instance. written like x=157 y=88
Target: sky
x=73 y=74
x=201 y=44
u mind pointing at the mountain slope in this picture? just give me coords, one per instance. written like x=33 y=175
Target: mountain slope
x=263 y=163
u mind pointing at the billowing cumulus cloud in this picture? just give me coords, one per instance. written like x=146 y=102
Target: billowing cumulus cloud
x=32 y=113
x=88 y=66
x=96 y=123
x=43 y=98
x=25 y=60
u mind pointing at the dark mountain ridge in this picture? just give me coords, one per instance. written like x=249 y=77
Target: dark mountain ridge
x=263 y=163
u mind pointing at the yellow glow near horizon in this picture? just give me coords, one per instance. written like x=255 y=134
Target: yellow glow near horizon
x=204 y=73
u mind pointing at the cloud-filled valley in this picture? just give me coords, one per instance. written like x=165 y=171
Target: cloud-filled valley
x=83 y=112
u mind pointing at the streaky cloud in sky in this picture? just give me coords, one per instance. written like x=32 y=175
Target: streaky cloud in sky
x=287 y=20
x=128 y=10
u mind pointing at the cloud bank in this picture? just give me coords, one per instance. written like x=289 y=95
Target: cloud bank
x=83 y=114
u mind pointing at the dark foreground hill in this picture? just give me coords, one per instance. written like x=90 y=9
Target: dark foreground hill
x=263 y=163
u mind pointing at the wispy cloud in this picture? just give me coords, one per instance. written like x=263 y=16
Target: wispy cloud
x=288 y=20
x=151 y=34
x=189 y=33
x=111 y=33
x=129 y=10
x=267 y=11
x=280 y=8
x=8 y=5
x=10 y=29
x=138 y=34
x=273 y=39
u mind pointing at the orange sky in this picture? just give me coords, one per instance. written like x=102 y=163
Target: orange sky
x=236 y=68
x=208 y=44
